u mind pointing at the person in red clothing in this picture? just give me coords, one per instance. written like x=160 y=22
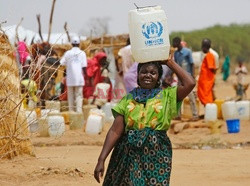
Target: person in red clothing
x=94 y=73
x=207 y=75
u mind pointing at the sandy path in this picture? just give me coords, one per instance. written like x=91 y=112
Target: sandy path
x=190 y=167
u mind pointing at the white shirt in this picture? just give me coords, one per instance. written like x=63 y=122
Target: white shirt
x=74 y=60
x=241 y=73
x=216 y=57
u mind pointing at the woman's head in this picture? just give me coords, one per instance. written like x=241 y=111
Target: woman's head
x=101 y=58
x=149 y=75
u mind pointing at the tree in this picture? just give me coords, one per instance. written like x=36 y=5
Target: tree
x=96 y=27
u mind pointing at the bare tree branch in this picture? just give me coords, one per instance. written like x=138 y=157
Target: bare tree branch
x=3 y=22
x=67 y=32
x=17 y=37
x=39 y=26
x=51 y=18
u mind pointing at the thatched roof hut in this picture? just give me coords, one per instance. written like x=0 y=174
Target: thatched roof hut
x=13 y=125
x=91 y=44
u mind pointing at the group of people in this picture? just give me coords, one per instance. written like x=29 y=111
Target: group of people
x=85 y=78
x=82 y=77
x=183 y=57
x=36 y=71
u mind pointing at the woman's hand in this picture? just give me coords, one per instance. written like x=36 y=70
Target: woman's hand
x=99 y=170
x=170 y=58
x=113 y=135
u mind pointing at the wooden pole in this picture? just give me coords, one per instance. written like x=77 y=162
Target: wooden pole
x=51 y=18
x=39 y=26
x=67 y=32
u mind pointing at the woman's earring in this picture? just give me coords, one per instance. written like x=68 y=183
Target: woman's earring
x=158 y=83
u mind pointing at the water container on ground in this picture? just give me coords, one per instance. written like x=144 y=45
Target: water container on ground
x=46 y=112
x=108 y=114
x=219 y=103
x=210 y=112
x=233 y=125
x=64 y=106
x=243 y=109
x=229 y=110
x=86 y=109
x=186 y=111
x=53 y=105
x=32 y=121
x=95 y=122
x=148 y=33
x=43 y=127
x=76 y=120
x=56 y=126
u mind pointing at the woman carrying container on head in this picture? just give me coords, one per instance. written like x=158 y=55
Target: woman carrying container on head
x=142 y=152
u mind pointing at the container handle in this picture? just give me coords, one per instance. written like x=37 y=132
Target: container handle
x=137 y=7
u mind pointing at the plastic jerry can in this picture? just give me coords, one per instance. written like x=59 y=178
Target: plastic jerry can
x=219 y=103
x=148 y=32
x=56 y=126
x=95 y=122
x=32 y=121
x=210 y=112
x=243 y=109
x=229 y=110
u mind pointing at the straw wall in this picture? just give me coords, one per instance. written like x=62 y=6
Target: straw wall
x=13 y=126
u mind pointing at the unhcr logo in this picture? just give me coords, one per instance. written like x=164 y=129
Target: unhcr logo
x=152 y=32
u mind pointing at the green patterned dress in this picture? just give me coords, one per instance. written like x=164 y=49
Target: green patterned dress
x=143 y=155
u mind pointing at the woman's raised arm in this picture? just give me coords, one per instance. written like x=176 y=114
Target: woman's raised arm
x=187 y=81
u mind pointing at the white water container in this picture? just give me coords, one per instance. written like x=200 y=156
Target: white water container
x=108 y=114
x=32 y=121
x=243 y=109
x=53 y=105
x=46 y=112
x=229 y=110
x=56 y=126
x=148 y=32
x=95 y=121
x=210 y=112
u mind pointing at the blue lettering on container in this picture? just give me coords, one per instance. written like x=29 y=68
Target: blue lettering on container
x=152 y=32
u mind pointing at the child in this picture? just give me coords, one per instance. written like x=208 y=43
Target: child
x=240 y=86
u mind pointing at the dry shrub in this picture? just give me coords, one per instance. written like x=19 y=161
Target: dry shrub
x=14 y=133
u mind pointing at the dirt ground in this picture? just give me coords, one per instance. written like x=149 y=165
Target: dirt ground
x=199 y=157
